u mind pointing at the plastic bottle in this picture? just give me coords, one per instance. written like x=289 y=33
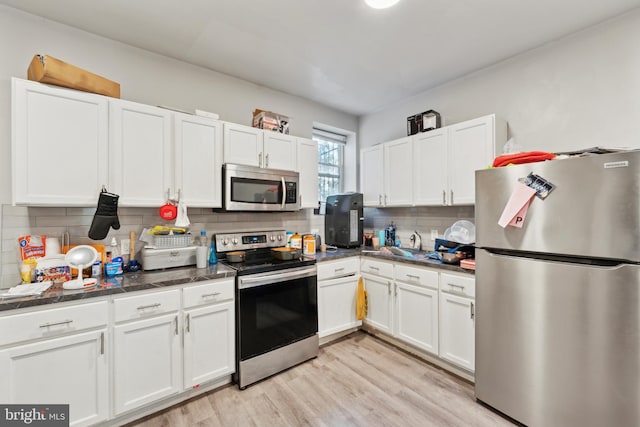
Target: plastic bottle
x=213 y=259
x=115 y=266
x=203 y=239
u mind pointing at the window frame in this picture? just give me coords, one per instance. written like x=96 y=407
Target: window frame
x=321 y=136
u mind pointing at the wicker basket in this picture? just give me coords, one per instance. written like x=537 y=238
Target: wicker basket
x=172 y=241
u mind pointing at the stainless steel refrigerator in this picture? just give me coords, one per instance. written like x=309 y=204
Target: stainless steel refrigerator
x=558 y=300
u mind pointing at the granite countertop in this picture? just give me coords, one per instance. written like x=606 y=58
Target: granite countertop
x=369 y=252
x=144 y=280
x=129 y=282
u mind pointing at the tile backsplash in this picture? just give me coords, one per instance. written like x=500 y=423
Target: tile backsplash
x=420 y=219
x=19 y=221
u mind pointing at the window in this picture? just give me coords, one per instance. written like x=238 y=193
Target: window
x=330 y=162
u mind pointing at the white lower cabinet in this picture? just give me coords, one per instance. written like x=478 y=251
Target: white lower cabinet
x=337 y=287
x=416 y=319
x=416 y=306
x=428 y=309
x=380 y=303
x=57 y=356
x=457 y=320
x=209 y=332
x=146 y=349
x=337 y=305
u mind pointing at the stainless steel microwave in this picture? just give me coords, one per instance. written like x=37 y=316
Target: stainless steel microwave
x=250 y=188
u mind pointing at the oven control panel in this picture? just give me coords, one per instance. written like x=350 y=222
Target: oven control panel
x=235 y=241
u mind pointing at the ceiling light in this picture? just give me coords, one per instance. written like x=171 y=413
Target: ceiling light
x=380 y=4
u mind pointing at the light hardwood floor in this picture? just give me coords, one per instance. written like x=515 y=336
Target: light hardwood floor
x=357 y=381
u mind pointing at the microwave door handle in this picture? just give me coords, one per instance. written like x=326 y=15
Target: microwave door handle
x=284 y=192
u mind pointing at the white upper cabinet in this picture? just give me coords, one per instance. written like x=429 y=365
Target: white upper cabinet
x=59 y=145
x=371 y=175
x=307 y=166
x=398 y=173
x=242 y=144
x=280 y=151
x=387 y=174
x=198 y=160
x=430 y=167
x=434 y=168
x=140 y=156
x=471 y=147
x=251 y=146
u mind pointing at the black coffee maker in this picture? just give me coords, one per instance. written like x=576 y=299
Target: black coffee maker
x=343 y=220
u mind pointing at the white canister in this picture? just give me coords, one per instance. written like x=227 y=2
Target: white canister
x=52 y=246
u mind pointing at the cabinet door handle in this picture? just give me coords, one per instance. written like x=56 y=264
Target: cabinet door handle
x=395 y=290
x=260 y=159
x=64 y=322
x=444 y=197
x=102 y=343
x=215 y=294
x=176 y=326
x=451 y=196
x=385 y=200
x=473 y=311
x=380 y=199
x=143 y=307
x=266 y=160
x=457 y=287
x=187 y=320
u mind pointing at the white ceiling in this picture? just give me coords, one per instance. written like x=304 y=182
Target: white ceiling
x=337 y=52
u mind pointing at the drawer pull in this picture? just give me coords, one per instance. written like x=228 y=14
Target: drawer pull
x=371 y=267
x=215 y=294
x=457 y=287
x=413 y=276
x=144 y=307
x=64 y=322
x=338 y=270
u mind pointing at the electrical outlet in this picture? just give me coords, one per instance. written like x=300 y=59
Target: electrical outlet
x=124 y=246
x=434 y=234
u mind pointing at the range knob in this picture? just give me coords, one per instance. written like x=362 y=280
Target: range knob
x=272 y=238
x=225 y=242
x=235 y=241
x=279 y=237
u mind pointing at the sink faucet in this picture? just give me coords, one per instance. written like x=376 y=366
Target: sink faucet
x=416 y=240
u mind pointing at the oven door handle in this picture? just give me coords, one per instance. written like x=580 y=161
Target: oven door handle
x=251 y=281
x=284 y=192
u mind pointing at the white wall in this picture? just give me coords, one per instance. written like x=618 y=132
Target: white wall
x=578 y=92
x=144 y=77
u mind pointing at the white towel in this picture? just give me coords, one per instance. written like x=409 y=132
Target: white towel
x=182 y=220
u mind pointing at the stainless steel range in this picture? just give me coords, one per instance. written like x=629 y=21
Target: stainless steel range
x=276 y=305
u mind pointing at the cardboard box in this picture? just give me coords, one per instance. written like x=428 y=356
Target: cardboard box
x=271 y=121
x=47 y=69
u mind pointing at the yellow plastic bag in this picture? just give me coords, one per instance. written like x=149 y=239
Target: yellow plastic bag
x=361 y=300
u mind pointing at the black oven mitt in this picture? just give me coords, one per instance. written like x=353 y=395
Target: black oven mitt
x=106 y=216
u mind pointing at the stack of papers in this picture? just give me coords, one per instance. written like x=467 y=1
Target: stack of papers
x=28 y=289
